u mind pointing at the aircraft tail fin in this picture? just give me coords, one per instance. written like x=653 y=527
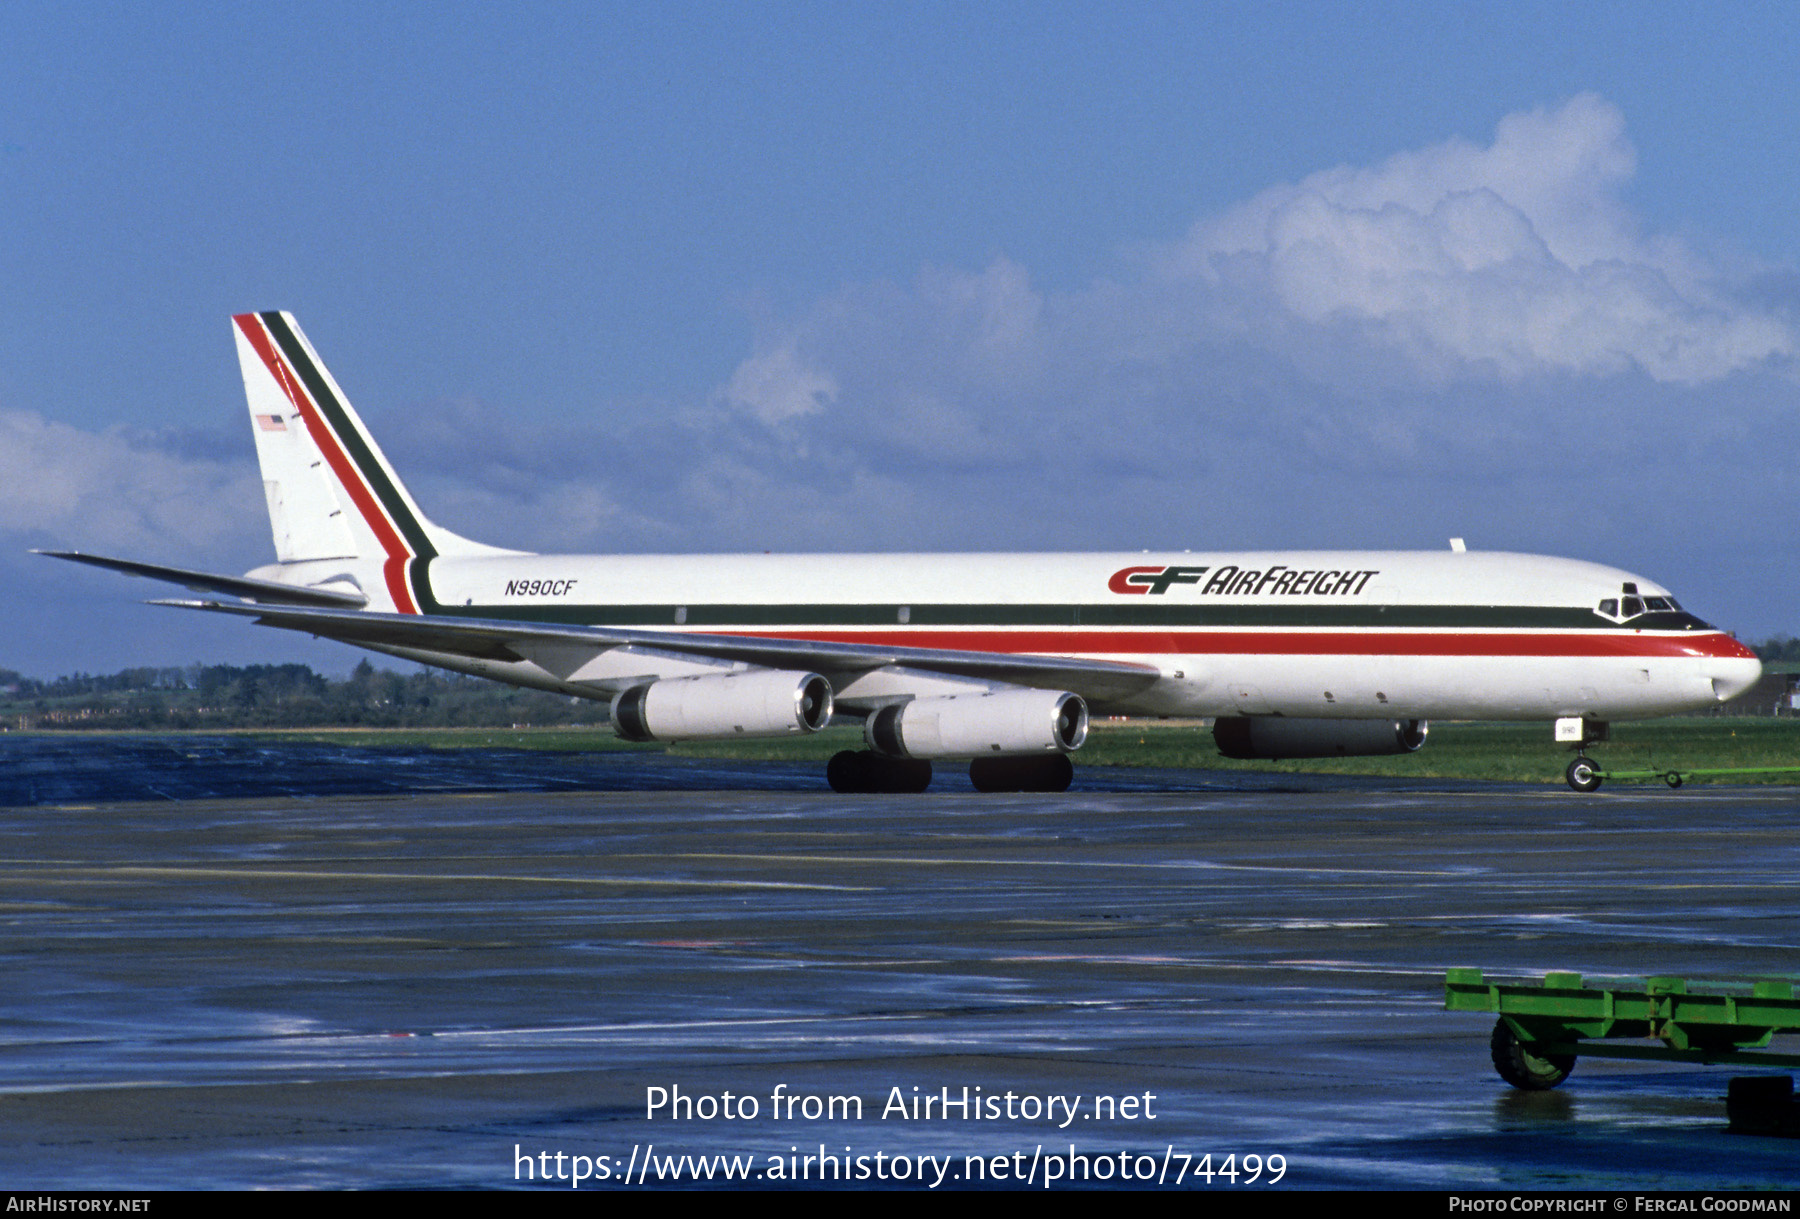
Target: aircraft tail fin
x=331 y=492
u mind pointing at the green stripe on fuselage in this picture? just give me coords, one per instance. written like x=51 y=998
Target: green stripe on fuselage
x=1136 y=615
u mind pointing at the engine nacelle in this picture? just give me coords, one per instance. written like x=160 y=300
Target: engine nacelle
x=979 y=725
x=1278 y=736
x=761 y=702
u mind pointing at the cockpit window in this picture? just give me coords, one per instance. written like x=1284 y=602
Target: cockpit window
x=1623 y=609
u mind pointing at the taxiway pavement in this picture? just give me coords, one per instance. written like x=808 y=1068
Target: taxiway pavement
x=417 y=990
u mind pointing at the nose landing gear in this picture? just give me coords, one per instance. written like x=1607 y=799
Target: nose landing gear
x=1579 y=732
x=1583 y=775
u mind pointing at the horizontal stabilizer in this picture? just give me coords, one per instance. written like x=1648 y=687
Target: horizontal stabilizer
x=265 y=592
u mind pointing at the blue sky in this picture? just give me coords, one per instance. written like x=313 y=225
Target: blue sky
x=918 y=276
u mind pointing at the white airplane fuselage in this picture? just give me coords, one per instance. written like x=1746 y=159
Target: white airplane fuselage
x=1422 y=634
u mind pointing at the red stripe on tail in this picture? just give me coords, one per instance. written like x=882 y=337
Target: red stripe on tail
x=394 y=569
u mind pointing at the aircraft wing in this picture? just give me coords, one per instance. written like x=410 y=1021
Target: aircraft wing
x=485 y=639
x=205 y=582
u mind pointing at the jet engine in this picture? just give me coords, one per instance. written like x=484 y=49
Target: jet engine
x=761 y=702
x=1276 y=736
x=979 y=725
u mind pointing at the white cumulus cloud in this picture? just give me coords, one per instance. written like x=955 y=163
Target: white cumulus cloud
x=775 y=386
x=1517 y=255
x=119 y=494
x=1474 y=338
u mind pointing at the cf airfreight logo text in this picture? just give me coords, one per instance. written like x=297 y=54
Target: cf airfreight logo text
x=1233 y=581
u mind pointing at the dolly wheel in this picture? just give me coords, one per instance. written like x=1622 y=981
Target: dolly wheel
x=1523 y=1069
x=1583 y=775
x=1673 y=778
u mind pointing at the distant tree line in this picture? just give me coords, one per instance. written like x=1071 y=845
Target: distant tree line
x=279 y=696
x=1782 y=647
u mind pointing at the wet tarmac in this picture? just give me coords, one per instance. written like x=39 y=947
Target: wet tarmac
x=76 y=768
x=449 y=989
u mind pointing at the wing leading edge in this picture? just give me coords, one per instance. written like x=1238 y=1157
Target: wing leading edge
x=514 y=642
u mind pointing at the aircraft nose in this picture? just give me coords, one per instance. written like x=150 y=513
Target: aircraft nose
x=1731 y=678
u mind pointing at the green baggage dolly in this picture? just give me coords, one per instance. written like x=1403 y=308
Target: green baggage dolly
x=1543 y=1029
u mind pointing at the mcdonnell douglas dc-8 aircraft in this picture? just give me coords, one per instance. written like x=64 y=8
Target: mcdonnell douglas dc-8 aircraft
x=996 y=658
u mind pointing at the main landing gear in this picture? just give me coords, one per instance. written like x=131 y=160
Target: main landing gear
x=1045 y=773
x=864 y=771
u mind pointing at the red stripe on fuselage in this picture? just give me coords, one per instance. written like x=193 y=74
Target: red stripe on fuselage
x=1287 y=643
x=394 y=569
